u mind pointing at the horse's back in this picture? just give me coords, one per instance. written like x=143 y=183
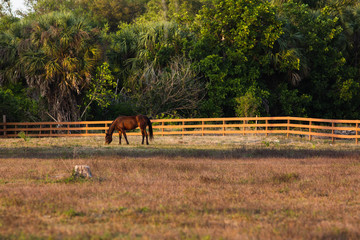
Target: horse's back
x=131 y=122
x=126 y=122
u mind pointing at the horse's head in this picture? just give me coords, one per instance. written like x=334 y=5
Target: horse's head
x=108 y=138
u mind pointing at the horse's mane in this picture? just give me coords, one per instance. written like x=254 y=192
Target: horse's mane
x=112 y=127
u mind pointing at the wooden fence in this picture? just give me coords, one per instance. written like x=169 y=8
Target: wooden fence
x=311 y=127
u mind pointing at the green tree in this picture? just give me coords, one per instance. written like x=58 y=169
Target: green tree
x=135 y=46
x=10 y=42
x=157 y=90
x=249 y=105
x=346 y=91
x=101 y=89
x=320 y=32
x=145 y=53
x=17 y=106
x=42 y=7
x=110 y=12
x=181 y=11
x=235 y=41
x=56 y=55
x=115 y=12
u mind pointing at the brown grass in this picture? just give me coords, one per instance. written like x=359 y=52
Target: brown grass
x=231 y=187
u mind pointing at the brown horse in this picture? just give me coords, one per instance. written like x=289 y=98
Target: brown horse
x=124 y=123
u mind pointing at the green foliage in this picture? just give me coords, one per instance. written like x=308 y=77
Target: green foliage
x=239 y=35
x=349 y=89
x=319 y=32
x=71 y=213
x=142 y=210
x=121 y=106
x=158 y=90
x=173 y=115
x=138 y=44
x=101 y=88
x=17 y=106
x=181 y=11
x=289 y=102
x=293 y=57
x=113 y=12
x=73 y=178
x=24 y=136
x=46 y=6
x=266 y=143
x=154 y=72
x=57 y=54
x=250 y=104
x=6 y=22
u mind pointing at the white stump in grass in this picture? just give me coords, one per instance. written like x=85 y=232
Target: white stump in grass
x=83 y=170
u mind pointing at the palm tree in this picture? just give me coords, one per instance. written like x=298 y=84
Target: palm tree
x=287 y=57
x=59 y=54
x=10 y=40
x=136 y=46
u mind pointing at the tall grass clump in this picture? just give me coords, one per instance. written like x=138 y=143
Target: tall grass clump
x=23 y=135
x=285 y=177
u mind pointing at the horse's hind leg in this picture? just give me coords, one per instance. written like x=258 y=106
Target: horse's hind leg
x=144 y=134
x=119 y=137
x=125 y=137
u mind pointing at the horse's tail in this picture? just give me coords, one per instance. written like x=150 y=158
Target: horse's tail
x=150 y=128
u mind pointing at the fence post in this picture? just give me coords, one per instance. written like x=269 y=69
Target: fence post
x=223 y=128
x=256 y=122
x=288 y=128
x=310 y=136
x=162 y=130
x=202 y=128
x=332 y=132
x=183 y=125
x=4 y=121
x=244 y=122
x=266 y=127
x=356 y=133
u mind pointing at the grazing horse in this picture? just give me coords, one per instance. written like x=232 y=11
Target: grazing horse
x=124 y=123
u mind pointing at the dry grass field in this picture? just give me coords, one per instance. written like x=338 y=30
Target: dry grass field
x=225 y=187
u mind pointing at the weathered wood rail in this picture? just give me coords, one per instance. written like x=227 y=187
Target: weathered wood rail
x=311 y=127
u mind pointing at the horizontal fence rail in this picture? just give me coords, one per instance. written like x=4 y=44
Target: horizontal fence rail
x=311 y=127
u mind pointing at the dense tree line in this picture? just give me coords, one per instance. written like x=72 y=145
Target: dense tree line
x=69 y=60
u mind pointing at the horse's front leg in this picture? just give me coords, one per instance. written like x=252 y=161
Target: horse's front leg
x=125 y=137
x=120 y=137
